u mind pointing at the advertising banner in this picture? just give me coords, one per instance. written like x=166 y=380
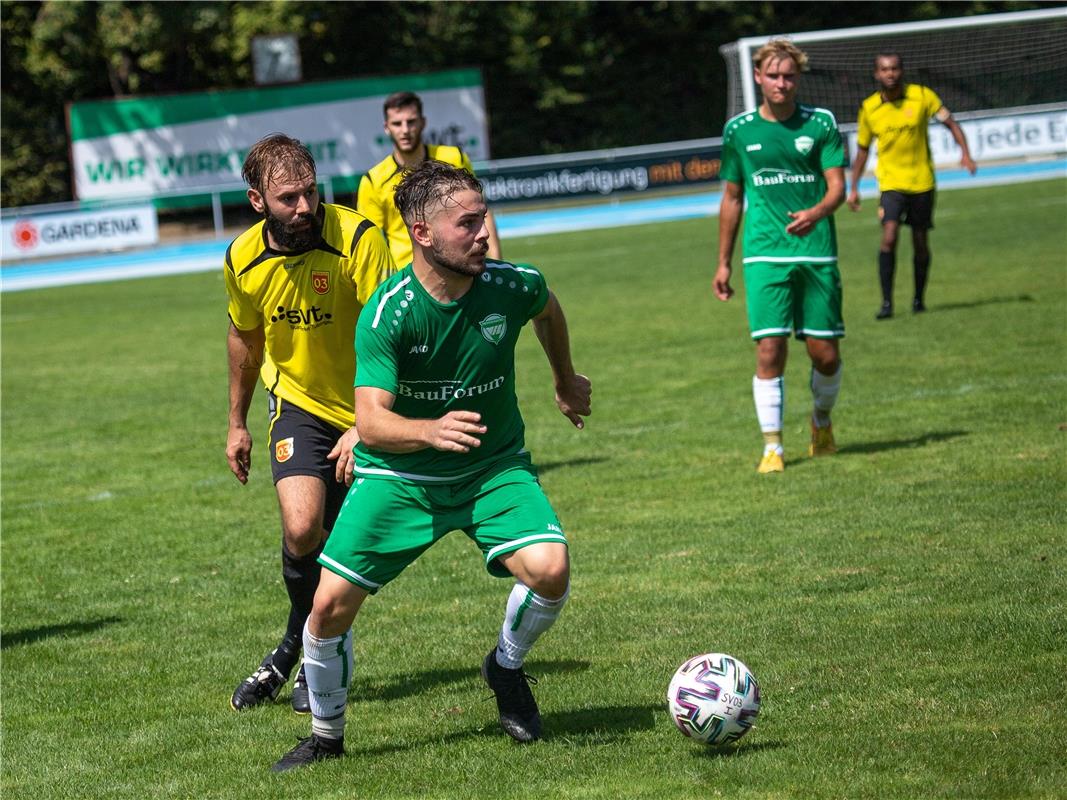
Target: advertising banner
x=602 y=173
x=148 y=146
x=32 y=236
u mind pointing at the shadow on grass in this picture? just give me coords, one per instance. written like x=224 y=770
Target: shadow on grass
x=737 y=751
x=898 y=444
x=408 y=684
x=600 y=725
x=1019 y=298
x=543 y=467
x=31 y=635
x=592 y=726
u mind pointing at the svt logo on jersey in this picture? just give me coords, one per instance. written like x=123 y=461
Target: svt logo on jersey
x=804 y=144
x=320 y=282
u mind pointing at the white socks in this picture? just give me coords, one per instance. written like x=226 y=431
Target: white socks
x=824 y=389
x=328 y=667
x=528 y=616
x=769 y=396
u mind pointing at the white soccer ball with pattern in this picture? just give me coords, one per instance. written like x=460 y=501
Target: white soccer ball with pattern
x=713 y=698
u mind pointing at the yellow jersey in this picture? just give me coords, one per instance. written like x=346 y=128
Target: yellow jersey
x=375 y=197
x=307 y=304
x=904 y=160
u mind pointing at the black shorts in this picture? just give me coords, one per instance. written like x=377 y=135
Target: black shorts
x=299 y=444
x=916 y=210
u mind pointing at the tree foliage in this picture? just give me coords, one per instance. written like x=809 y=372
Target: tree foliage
x=559 y=76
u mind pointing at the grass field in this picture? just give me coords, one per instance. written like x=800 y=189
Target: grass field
x=904 y=604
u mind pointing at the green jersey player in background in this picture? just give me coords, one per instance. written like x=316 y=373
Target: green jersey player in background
x=788 y=160
x=442 y=448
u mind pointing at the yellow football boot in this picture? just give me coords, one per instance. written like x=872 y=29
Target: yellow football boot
x=822 y=441
x=771 y=462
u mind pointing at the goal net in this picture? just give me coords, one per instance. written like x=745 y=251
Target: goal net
x=973 y=63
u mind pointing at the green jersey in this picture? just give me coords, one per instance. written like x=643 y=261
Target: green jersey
x=440 y=357
x=781 y=166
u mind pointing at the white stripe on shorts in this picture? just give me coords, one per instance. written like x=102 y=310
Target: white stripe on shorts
x=790 y=259
x=537 y=537
x=414 y=476
x=840 y=332
x=355 y=577
x=771 y=332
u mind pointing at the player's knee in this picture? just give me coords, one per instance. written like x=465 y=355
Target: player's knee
x=333 y=612
x=825 y=361
x=302 y=536
x=770 y=356
x=827 y=365
x=551 y=577
x=327 y=609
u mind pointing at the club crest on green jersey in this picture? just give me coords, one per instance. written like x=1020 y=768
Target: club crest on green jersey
x=804 y=144
x=493 y=328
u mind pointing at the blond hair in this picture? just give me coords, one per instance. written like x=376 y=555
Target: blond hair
x=778 y=49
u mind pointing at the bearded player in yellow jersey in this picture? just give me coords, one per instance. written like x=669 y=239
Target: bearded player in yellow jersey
x=404 y=123
x=898 y=116
x=296 y=283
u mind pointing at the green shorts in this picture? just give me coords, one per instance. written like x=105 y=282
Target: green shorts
x=800 y=297
x=386 y=524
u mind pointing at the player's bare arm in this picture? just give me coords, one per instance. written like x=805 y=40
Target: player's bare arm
x=245 y=355
x=731 y=208
x=858 y=166
x=381 y=428
x=944 y=116
x=342 y=454
x=573 y=390
x=804 y=221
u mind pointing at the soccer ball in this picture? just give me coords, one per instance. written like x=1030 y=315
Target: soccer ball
x=713 y=698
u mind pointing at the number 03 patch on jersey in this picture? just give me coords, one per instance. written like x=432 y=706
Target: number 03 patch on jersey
x=283 y=450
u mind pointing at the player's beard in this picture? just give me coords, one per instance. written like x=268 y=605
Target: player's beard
x=461 y=265
x=414 y=147
x=289 y=237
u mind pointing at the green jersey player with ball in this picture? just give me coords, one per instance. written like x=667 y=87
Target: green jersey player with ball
x=442 y=448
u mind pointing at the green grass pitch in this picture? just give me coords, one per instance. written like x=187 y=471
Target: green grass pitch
x=903 y=604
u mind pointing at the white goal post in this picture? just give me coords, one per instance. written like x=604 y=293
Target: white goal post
x=974 y=63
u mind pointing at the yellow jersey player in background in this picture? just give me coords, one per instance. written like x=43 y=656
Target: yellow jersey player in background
x=404 y=123
x=898 y=116
x=296 y=283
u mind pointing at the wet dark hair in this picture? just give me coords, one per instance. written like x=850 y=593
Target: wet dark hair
x=430 y=184
x=276 y=156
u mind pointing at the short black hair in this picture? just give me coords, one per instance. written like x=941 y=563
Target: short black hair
x=401 y=100
x=430 y=183
x=889 y=54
